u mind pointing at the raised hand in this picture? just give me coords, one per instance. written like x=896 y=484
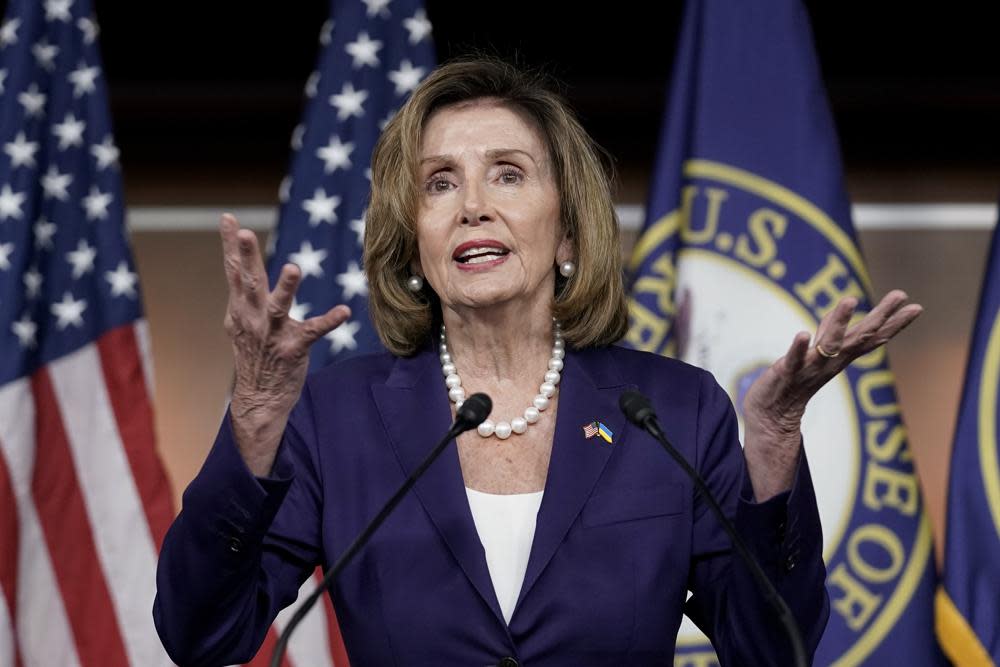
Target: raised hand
x=775 y=403
x=270 y=349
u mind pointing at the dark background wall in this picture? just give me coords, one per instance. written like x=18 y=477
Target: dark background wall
x=215 y=87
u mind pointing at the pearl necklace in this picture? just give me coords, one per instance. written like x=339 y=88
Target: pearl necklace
x=503 y=429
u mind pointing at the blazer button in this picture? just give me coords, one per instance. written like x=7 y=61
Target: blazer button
x=235 y=545
x=790 y=563
x=508 y=662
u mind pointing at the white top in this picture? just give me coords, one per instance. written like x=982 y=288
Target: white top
x=506 y=527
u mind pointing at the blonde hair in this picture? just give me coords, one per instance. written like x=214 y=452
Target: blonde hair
x=591 y=305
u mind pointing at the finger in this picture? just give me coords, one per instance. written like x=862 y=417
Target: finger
x=228 y=229
x=830 y=333
x=865 y=335
x=795 y=358
x=316 y=327
x=252 y=274
x=284 y=292
x=901 y=319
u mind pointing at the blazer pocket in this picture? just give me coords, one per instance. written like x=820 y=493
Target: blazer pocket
x=633 y=504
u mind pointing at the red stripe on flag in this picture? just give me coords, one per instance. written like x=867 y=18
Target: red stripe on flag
x=337 y=649
x=263 y=657
x=121 y=362
x=63 y=517
x=9 y=539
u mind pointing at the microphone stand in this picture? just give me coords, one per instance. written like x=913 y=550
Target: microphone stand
x=473 y=411
x=639 y=411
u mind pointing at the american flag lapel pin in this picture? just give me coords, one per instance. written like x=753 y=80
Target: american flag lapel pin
x=598 y=429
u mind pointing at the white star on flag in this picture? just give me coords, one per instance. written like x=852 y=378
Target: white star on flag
x=89 y=29
x=321 y=208
x=6 y=250
x=45 y=54
x=68 y=311
x=82 y=259
x=10 y=203
x=3 y=77
x=377 y=7
x=8 y=32
x=55 y=184
x=353 y=282
x=297 y=134
x=32 y=282
x=32 y=101
x=342 y=337
x=312 y=84
x=358 y=227
x=58 y=10
x=349 y=102
x=418 y=26
x=70 y=131
x=25 y=331
x=308 y=260
x=44 y=231
x=299 y=311
x=106 y=153
x=364 y=51
x=122 y=280
x=325 y=32
x=83 y=79
x=284 y=188
x=335 y=154
x=21 y=151
x=406 y=77
x=97 y=203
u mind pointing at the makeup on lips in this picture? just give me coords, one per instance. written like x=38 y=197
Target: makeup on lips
x=480 y=254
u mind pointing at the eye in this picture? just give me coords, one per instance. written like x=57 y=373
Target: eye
x=438 y=182
x=510 y=175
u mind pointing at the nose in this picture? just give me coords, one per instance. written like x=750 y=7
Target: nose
x=475 y=209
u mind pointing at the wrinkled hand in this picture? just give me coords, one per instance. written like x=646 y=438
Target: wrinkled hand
x=775 y=403
x=270 y=349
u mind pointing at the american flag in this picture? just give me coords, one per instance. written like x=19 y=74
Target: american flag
x=374 y=54
x=591 y=429
x=84 y=501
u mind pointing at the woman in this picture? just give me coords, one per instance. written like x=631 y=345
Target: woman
x=492 y=259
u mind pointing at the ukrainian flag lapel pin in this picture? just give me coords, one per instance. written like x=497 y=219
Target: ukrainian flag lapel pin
x=596 y=428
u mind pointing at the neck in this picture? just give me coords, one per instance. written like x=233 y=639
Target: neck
x=501 y=342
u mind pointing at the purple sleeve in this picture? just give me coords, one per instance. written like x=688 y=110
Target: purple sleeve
x=239 y=550
x=783 y=533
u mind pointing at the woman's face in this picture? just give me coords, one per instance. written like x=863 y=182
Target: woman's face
x=488 y=228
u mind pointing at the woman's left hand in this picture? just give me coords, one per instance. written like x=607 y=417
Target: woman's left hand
x=775 y=403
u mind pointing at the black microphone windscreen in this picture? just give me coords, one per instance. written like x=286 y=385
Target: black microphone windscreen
x=475 y=409
x=636 y=407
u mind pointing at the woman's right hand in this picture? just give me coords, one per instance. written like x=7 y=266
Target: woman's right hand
x=270 y=349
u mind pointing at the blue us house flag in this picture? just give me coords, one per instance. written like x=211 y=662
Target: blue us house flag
x=374 y=54
x=968 y=603
x=749 y=240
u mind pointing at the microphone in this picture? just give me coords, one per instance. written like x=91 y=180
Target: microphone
x=639 y=411
x=475 y=409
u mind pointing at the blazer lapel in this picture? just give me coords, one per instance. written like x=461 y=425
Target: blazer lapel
x=588 y=392
x=415 y=410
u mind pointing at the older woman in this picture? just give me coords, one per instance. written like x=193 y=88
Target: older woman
x=492 y=255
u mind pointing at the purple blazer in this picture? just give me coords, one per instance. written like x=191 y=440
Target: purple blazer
x=620 y=536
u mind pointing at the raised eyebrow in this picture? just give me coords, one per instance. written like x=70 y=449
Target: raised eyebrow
x=437 y=159
x=496 y=153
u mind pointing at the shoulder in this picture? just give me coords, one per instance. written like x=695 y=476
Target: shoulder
x=646 y=368
x=351 y=373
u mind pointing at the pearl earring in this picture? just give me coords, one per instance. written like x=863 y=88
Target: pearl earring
x=414 y=283
x=567 y=269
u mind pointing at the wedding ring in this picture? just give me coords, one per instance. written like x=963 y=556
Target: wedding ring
x=824 y=353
